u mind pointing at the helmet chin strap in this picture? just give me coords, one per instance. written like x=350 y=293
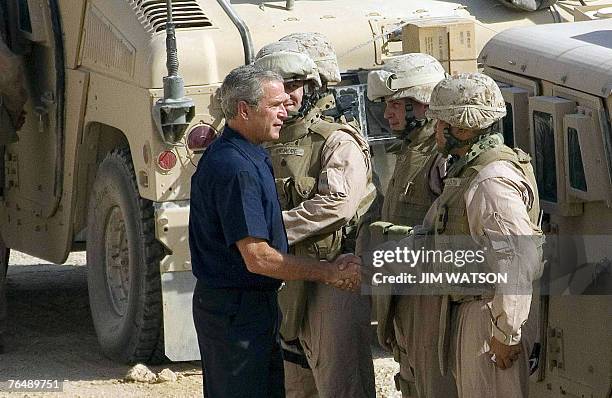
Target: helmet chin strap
x=412 y=122
x=453 y=142
x=410 y=119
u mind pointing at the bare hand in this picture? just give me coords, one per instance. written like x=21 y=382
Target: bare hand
x=347 y=273
x=343 y=260
x=503 y=355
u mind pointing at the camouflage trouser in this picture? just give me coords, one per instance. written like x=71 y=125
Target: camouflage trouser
x=336 y=338
x=299 y=382
x=475 y=373
x=417 y=322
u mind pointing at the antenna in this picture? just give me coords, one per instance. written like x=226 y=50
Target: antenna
x=174 y=112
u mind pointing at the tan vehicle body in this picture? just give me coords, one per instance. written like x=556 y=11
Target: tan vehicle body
x=95 y=70
x=557 y=81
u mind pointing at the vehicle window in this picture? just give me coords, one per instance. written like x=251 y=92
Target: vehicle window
x=25 y=24
x=545 y=159
x=508 y=126
x=576 y=167
x=353 y=103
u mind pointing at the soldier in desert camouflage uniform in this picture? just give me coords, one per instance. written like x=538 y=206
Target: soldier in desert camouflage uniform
x=324 y=181
x=490 y=195
x=408 y=325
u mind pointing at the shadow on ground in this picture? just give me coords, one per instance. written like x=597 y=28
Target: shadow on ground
x=50 y=330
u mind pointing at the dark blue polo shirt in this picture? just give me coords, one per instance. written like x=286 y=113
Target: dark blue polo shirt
x=233 y=196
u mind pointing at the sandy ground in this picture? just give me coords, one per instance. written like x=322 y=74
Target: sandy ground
x=51 y=337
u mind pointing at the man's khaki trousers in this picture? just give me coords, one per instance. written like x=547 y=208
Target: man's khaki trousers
x=336 y=338
x=417 y=322
x=476 y=374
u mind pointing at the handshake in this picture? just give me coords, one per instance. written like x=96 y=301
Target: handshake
x=345 y=273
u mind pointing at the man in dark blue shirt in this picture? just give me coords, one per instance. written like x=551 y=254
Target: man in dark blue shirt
x=238 y=244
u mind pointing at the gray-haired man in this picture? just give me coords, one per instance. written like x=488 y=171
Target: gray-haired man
x=238 y=244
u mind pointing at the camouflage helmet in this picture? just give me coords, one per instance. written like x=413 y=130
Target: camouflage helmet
x=321 y=51
x=468 y=100
x=287 y=60
x=406 y=76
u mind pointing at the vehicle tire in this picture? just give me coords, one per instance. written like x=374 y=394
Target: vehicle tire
x=123 y=275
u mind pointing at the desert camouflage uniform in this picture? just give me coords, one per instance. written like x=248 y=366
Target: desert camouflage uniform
x=323 y=175
x=408 y=325
x=490 y=195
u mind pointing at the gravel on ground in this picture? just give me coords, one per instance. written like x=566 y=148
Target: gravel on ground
x=51 y=337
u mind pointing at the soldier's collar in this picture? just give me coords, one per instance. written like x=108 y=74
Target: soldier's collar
x=326 y=101
x=297 y=128
x=414 y=133
x=483 y=144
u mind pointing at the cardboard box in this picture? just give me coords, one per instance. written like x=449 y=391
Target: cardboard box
x=456 y=67
x=588 y=13
x=444 y=39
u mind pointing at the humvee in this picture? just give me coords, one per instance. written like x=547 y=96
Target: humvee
x=557 y=83
x=93 y=168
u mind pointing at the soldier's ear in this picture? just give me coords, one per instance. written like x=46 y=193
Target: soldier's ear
x=461 y=133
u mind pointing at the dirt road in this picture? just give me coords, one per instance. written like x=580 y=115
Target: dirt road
x=51 y=337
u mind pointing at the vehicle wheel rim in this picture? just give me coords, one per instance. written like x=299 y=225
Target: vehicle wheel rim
x=117 y=264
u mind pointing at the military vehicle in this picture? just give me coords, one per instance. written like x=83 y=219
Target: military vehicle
x=557 y=83
x=101 y=165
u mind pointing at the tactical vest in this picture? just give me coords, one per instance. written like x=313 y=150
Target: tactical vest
x=407 y=200
x=296 y=160
x=408 y=195
x=451 y=214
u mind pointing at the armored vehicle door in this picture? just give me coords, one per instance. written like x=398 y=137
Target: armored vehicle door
x=34 y=179
x=32 y=176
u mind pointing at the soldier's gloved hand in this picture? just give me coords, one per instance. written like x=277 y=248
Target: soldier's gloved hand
x=503 y=355
x=347 y=275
